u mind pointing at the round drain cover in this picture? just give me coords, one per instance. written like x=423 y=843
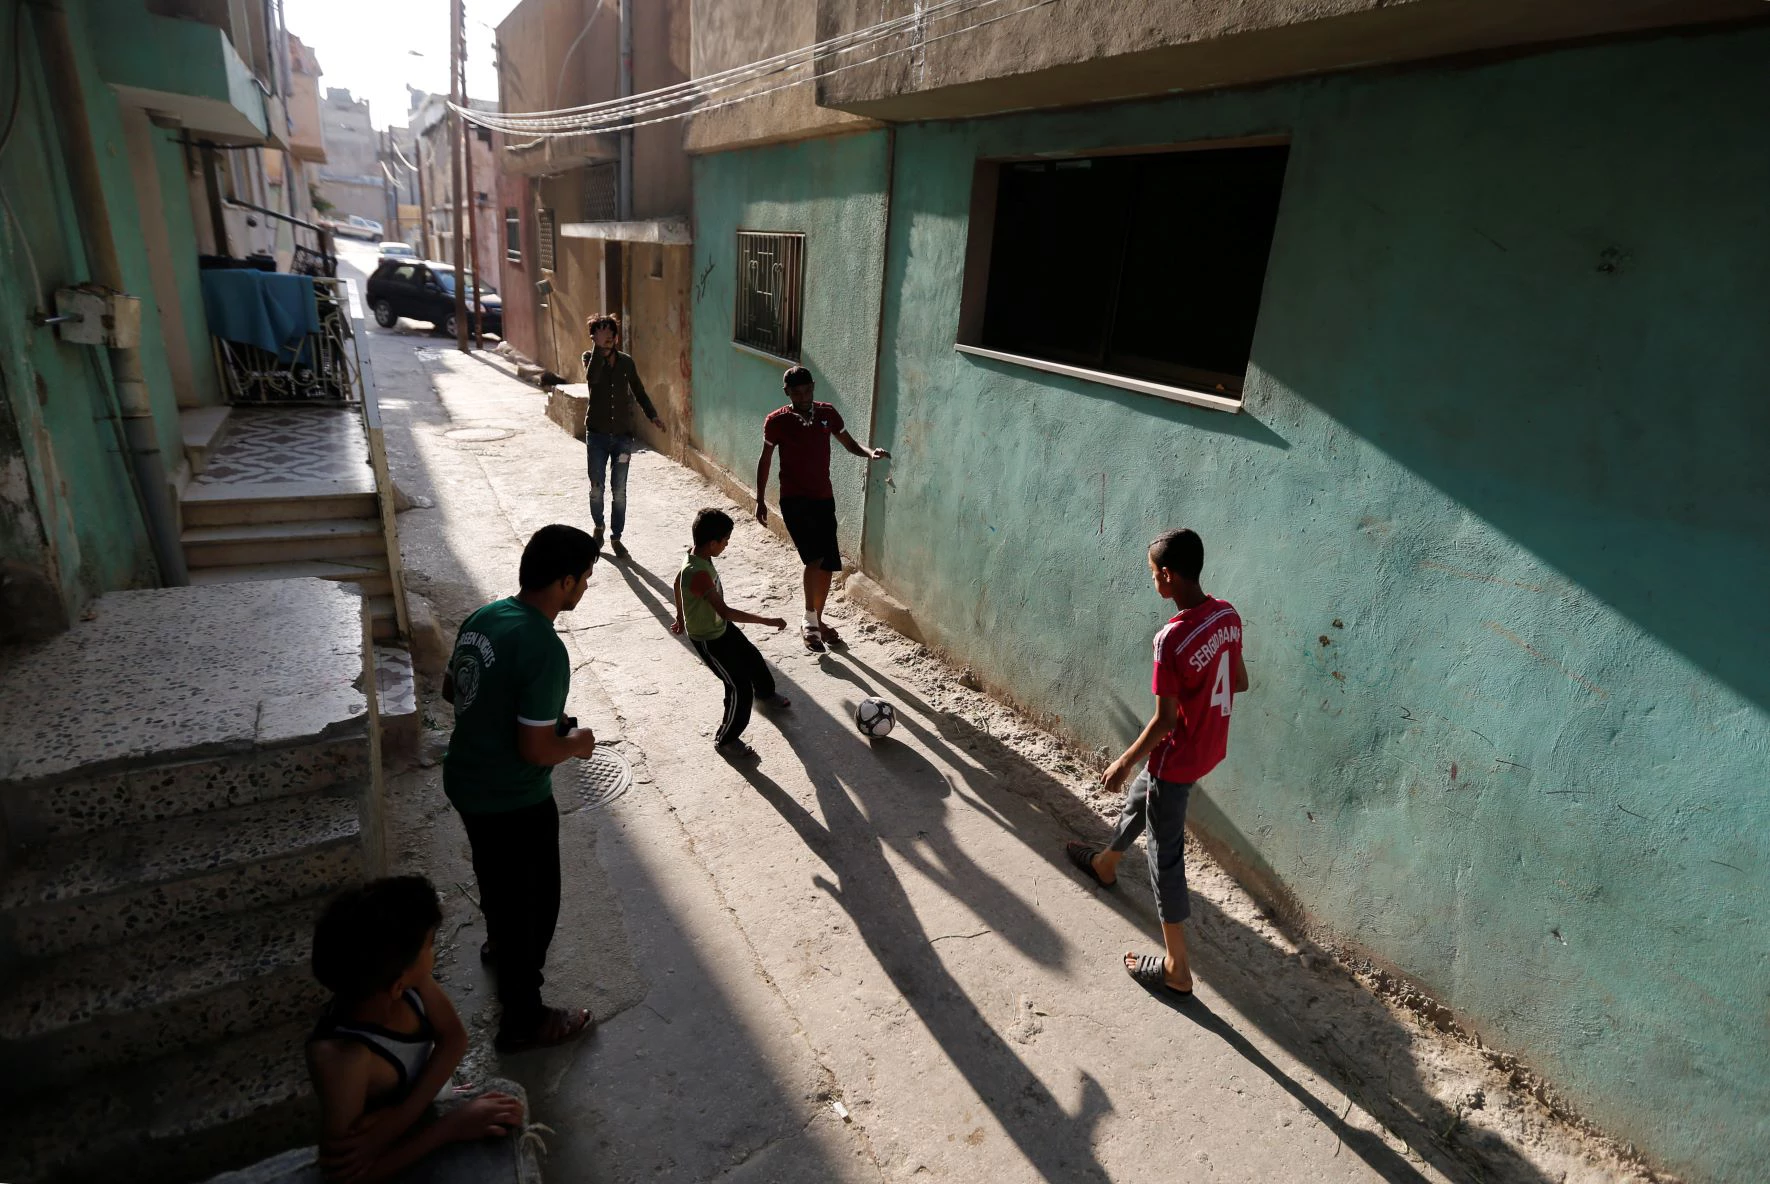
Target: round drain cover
x=479 y=435
x=599 y=780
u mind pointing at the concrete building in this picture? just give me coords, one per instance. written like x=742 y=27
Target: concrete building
x=429 y=126
x=596 y=241
x=1397 y=305
x=351 y=180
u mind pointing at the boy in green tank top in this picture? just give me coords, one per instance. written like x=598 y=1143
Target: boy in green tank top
x=701 y=612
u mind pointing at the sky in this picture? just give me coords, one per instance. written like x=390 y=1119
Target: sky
x=365 y=46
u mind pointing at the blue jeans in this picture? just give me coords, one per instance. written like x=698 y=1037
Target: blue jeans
x=609 y=458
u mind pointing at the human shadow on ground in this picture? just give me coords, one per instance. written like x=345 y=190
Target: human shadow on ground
x=1372 y=1064
x=1058 y=1144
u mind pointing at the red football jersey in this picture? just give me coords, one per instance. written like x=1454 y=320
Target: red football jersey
x=1195 y=655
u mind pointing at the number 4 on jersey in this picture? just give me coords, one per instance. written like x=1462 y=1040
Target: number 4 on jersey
x=1221 y=696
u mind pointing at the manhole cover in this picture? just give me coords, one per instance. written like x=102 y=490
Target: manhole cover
x=600 y=780
x=479 y=435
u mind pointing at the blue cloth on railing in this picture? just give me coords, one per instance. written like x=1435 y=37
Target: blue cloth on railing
x=272 y=311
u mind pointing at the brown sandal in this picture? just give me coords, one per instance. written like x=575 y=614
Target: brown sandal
x=558 y=1026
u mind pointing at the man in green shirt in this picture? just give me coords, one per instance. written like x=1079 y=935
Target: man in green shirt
x=508 y=679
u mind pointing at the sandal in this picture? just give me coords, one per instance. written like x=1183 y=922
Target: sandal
x=1082 y=856
x=1151 y=973
x=831 y=637
x=814 y=638
x=736 y=750
x=558 y=1026
x=775 y=703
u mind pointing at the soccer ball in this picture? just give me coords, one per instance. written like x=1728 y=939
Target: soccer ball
x=875 y=718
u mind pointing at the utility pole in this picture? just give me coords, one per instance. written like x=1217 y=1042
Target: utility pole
x=468 y=132
x=424 y=243
x=457 y=38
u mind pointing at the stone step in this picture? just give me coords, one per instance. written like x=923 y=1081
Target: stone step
x=281 y=542
x=383 y=619
x=156 y=995
x=229 y=505
x=181 y=1118
x=368 y=572
x=36 y=812
x=201 y=430
x=93 y=889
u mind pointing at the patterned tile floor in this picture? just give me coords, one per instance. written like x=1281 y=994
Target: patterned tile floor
x=280 y=445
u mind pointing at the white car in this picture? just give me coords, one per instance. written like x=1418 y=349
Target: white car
x=357 y=226
x=398 y=251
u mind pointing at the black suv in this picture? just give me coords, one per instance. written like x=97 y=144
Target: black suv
x=425 y=291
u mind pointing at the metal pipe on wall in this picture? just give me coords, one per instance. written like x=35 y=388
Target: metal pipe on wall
x=457 y=126
x=61 y=66
x=626 y=89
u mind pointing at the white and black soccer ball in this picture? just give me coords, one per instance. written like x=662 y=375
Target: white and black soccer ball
x=875 y=718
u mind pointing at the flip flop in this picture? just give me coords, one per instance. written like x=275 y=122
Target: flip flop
x=1151 y=973
x=564 y=1026
x=1082 y=856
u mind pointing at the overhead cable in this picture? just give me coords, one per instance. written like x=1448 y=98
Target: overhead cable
x=621 y=114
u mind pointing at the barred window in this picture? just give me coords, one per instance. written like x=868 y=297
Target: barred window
x=770 y=292
x=602 y=194
x=512 y=234
x=544 y=239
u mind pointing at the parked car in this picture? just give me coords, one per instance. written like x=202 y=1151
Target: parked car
x=424 y=290
x=357 y=226
x=397 y=251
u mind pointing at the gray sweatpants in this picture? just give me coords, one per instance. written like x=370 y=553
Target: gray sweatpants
x=1161 y=807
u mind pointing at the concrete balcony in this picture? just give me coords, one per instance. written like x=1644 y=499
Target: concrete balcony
x=181 y=72
x=1060 y=55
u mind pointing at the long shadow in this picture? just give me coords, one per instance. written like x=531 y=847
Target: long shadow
x=1059 y=1145
x=1238 y=963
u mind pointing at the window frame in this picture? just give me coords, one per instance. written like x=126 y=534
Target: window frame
x=512 y=234
x=795 y=319
x=979 y=246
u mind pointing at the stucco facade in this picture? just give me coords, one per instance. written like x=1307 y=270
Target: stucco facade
x=1500 y=566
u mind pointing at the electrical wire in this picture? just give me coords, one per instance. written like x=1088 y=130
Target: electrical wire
x=620 y=113
x=694 y=89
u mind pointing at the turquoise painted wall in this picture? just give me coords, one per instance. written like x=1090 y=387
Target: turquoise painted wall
x=181 y=230
x=1497 y=515
x=91 y=537
x=832 y=191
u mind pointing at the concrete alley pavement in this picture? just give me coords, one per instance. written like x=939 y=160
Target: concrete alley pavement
x=853 y=961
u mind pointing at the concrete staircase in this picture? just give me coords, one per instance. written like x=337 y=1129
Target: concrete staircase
x=284 y=529
x=156 y=918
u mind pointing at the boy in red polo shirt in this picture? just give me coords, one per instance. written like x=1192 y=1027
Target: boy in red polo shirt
x=1198 y=674
x=802 y=431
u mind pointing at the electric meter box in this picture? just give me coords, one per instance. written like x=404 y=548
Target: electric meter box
x=99 y=318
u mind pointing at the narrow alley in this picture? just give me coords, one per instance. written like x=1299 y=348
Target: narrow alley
x=859 y=961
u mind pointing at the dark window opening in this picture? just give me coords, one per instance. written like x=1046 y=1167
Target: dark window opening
x=602 y=193
x=1148 y=267
x=512 y=234
x=770 y=292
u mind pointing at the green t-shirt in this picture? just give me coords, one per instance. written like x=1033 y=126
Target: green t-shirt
x=509 y=668
x=699 y=617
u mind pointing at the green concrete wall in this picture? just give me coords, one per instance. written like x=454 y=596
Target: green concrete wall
x=68 y=468
x=833 y=192
x=181 y=231
x=1495 y=515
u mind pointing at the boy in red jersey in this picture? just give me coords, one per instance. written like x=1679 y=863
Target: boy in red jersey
x=1198 y=673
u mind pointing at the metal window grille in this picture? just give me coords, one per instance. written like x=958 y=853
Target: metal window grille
x=512 y=234
x=544 y=239
x=770 y=292
x=602 y=193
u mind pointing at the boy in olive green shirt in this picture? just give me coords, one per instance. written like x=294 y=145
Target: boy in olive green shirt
x=701 y=612
x=508 y=679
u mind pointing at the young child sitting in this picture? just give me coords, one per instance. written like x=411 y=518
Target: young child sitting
x=389 y=1040
x=710 y=623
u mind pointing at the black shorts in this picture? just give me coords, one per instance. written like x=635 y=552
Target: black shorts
x=811 y=523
